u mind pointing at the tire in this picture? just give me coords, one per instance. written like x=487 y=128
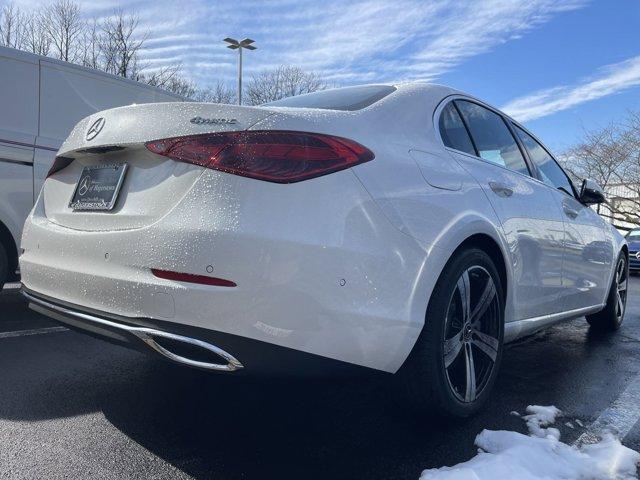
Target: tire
x=436 y=376
x=611 y=316
x=4 y=266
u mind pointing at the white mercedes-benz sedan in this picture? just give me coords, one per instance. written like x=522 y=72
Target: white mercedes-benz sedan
x=408 y=229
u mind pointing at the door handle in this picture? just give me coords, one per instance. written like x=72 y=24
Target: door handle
x=570 y=212
x=500 y=189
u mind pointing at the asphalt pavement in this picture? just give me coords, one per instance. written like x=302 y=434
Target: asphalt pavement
x=72 y=406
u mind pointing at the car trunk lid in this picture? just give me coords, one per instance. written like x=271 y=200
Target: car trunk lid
x=151 y=184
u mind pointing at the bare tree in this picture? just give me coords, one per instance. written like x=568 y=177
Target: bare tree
x=219 y=93
x=11 y=26
x=179 y=85
x=281 y=82
x=168 y=78
x=611 y=156
x=90 y=54
x=600 y=155
x=114 y=44
x=120 y=44
x=36 y=38
x=64 y=27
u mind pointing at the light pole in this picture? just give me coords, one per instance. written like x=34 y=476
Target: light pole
x=239 y=45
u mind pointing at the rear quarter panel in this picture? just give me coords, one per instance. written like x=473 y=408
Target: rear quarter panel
x=435 y=219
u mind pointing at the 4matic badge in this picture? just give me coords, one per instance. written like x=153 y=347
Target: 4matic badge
x=213 y=121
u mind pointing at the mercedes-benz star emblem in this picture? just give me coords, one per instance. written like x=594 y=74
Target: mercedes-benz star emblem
x=85 y=183
x=95 y=128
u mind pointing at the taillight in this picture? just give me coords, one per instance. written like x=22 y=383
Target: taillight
x=273 y=156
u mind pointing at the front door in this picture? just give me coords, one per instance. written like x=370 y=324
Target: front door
x=588 y=250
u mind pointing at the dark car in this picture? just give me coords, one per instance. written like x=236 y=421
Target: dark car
x=633 y=240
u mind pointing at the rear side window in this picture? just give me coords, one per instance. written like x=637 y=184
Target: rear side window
x=347 y=98
x=453 y=132
x=492 y=137
x=550 y=171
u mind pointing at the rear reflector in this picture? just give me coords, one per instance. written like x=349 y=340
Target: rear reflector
x=190 y=278
x=273 y=156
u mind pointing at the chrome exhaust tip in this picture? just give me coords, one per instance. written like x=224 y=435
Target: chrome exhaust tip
x=148 y=336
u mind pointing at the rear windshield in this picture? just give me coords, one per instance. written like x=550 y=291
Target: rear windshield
x=347 y=98
x=633 y=234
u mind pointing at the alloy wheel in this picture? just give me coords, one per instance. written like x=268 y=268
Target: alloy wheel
x=471 y=334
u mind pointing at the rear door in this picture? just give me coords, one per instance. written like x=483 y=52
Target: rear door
x=485 y=146
x=588 y=251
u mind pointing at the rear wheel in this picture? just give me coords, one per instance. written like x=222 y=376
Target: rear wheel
x=455 y=361
x=611 y=316
x=4 y=266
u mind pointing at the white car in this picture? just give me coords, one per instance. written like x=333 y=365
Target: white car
x=408 y=229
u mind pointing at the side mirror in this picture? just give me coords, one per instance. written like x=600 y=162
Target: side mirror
x=591 y=193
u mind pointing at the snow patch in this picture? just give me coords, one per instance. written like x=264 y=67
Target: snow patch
x=541 y=455
x=538 y=417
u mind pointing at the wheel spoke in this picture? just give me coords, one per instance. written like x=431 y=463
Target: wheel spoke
x=483 y=303
x=464 y=289
x=488 y=340
x=486 y=349
x=622 y=286
x=470 y=393
x=620 y=271
x=452 y=349
x=620 y=305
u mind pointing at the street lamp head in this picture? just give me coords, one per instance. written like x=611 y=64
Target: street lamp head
x=235 y=44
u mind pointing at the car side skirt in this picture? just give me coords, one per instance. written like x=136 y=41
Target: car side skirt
x=528 y=326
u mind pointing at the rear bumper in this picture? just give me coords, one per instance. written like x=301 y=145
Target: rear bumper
x=189 y=346
x=329 y=278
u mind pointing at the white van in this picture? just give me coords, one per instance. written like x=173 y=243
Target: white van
x=41 y=99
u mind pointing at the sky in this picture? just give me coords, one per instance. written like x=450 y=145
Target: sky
x=560 y=67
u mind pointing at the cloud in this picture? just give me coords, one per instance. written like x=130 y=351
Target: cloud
x=467 y=32
x=610 y=79
x=348 y=42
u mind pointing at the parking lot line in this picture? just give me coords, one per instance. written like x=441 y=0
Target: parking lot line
x=619 y=418
x=35 y=331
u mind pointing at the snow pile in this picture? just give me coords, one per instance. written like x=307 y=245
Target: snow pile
x=541 y=455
